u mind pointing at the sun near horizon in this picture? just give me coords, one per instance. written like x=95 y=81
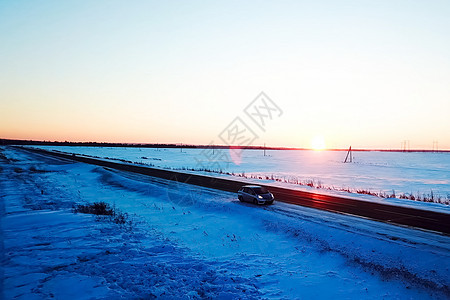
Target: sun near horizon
x=318 y=143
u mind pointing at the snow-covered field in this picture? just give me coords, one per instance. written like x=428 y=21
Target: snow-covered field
x=191 y=242
x=410 y=173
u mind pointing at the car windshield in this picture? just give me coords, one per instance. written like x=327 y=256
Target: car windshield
x=260 y=190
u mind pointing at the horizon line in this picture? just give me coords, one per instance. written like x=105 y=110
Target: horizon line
x=197 y=146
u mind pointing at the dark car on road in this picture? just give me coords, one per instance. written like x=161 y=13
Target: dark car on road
x=255 y=194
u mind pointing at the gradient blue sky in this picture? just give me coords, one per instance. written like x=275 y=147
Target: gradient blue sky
x=370 y=74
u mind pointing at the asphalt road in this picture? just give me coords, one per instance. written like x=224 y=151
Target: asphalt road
x=398 y=215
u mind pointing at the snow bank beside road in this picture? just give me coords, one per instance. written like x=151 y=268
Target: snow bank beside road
x=417 y=174
x=425 y=189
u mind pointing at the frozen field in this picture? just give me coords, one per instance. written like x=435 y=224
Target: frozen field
x=411 y=173
x=190 y=243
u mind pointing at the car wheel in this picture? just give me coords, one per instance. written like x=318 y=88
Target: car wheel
x=270 y=203
x=240 y=198
x=255 y=202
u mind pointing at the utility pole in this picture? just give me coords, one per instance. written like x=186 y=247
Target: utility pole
x=405 y=146
x=349 y=153
x=435 y=146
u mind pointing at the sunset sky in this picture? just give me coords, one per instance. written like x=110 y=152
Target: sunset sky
x=371 y=74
